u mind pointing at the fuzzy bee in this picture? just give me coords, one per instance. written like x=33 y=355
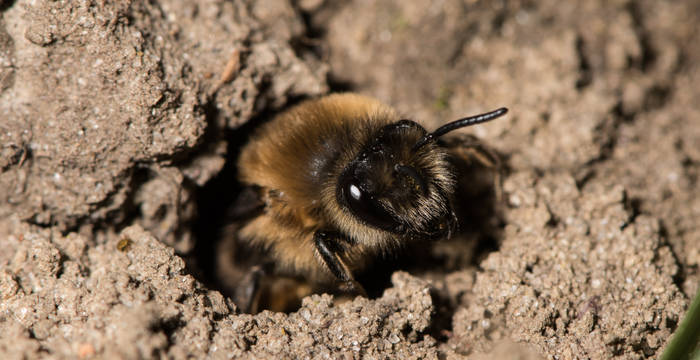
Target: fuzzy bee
x=342 y=179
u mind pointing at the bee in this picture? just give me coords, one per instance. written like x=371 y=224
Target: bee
x=344 y=178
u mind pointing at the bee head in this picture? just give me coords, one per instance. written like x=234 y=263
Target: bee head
x=401 y=181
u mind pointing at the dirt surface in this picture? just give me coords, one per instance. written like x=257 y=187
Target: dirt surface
x=115 y=118
x=112 y=113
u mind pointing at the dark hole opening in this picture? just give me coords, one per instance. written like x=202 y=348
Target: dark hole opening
x=479 y=231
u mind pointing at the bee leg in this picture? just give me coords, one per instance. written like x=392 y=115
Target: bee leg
x=470 y=149
x=353 y=287
x=247 y=293
x=328 y=250
x=247 y=204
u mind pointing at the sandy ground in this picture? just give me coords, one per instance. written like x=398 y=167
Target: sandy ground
x=119 y=122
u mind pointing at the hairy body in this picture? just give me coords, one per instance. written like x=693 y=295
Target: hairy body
x=343 y=178
x=296 y=160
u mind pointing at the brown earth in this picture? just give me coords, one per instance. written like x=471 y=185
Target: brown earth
x=116 y=119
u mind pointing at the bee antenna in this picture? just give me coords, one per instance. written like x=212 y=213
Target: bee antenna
x=464 y=122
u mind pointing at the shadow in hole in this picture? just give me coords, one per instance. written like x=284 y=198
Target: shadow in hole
x=223 y=264
x=213 y=260
x=4 y=5
x=213 y=202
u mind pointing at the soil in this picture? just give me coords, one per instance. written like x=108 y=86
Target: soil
x=119 y=124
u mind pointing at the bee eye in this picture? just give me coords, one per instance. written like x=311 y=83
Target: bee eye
x=366 y=207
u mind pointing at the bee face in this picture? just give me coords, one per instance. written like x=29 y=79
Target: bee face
x=395 y=187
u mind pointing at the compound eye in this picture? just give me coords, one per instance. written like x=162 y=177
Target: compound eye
x=366 y=207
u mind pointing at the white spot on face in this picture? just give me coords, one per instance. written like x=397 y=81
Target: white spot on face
x=355 y=192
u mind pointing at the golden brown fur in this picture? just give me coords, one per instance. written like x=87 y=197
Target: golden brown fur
x=342 y=178
x=296 y=159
